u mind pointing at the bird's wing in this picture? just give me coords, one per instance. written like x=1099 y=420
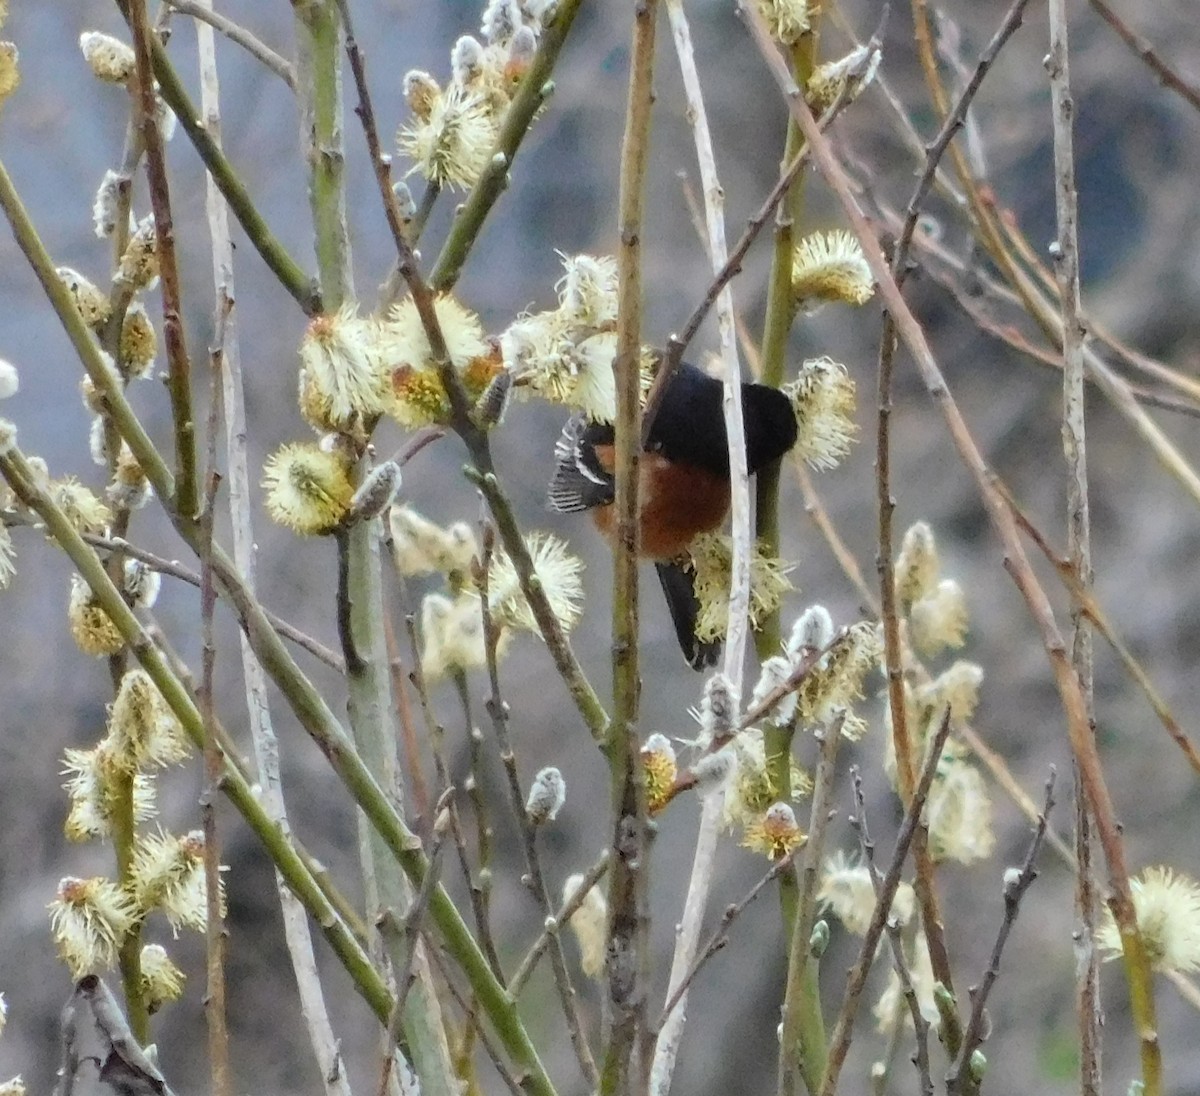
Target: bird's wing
x=580 y=481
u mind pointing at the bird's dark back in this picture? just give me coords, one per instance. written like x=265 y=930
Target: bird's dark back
x=690 y=424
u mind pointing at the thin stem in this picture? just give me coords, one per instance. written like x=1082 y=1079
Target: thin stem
x=498 y=713
x=896 y=941
x=235 y=32
x=1082 y=742
x=1167 y=76
x=839 y=1042
x=1066 y=268
x=273 y=253
x=531 y=95
x=555 y=924
x=214 y=760
x=802 y=1044
x=15 y=469
x=959 y=1080
x=627 y=953
x=178 y=365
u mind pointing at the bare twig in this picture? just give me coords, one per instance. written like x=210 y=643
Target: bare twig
x=404 y=977
x=235 y=32
x=214 y=760
x=700 y=881
x=178 y=365
x=498 y=711
x=895 y=939
x=1016 y=883
x=1167 y=76
x=555 y=924
x=839 y=1040
x=1082 y=744
x=801 y=987
x=905 y=761
x=720 y=935
x=626 y=1060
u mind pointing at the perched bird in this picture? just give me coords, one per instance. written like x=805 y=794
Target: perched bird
x=683 y=480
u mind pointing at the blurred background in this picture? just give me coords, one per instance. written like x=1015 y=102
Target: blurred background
x=1138 y=161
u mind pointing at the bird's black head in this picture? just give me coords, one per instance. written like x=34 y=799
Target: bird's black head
x=770 y=425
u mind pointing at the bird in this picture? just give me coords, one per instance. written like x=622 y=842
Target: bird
x=683 y=480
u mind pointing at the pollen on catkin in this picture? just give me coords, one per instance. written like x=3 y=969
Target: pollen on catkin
x=1166 y=906
x=836 y=681
x=91 y=627
x=587 y=291
x=342 y=380
x=88 y=920
x=787 y=20
x=139 y=342
x=139 y=265
x=129 y=489
x=416 y=396
x=92 y=785
x=10 y=70
x=452 y=144
x=168 y=875
x=847 y=75
x=710 y=559
x=558 y=571
x=775 y=833
x=823 y=400
x=162 y=980
x=753 y=788
x=92 y=302
x=660 y=769
x=142 y=729
x=308 y=490
x=830 y=266
x=79 y=505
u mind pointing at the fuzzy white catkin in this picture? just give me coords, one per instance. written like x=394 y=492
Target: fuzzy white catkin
x=10 y=380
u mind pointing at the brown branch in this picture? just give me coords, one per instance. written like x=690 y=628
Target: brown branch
x=178 y=365
x=720 y=935
x=958 y=1080
x=239 y=35
x=899 y=963
x=214 y=758
x=498 y=712
x=1167 y=76
x=839 y=1041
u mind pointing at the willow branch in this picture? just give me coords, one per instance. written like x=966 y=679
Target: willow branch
x=839 y=1041
x=202 y=12
x=1082 y=742
x=293 y=279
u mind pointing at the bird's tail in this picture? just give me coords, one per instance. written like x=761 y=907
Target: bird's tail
x=679 y=589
